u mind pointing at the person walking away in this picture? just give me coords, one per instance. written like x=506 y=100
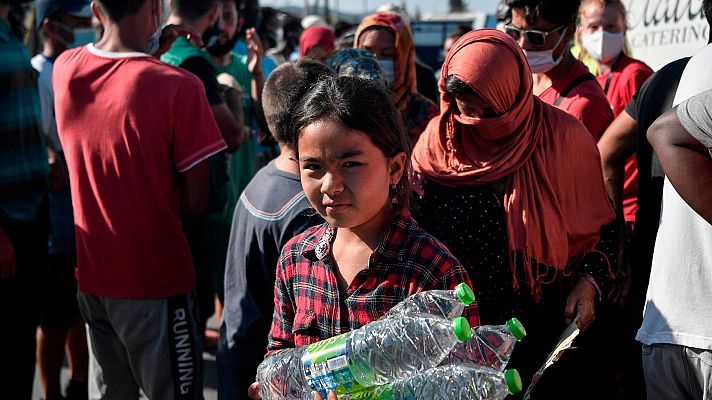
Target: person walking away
x=137 y=134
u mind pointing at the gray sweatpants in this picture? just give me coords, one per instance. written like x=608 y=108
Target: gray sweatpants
x=677 y=372
x=147 y=344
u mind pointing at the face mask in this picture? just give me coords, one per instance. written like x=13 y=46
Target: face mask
x=155 y=40
x=543 y=61
x=279 y=35
x=388 y=68
x=603 y=46
x=83 y=36
x=489 y=128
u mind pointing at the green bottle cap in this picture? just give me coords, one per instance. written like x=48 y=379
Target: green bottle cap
x=516 y=328
x=462 y=329
x=465 y=294
x=514 y=381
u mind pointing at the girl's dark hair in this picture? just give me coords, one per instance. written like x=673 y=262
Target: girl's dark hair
x=363 y=105
x=457 y=88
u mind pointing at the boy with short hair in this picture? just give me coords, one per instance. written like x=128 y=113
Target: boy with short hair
x=136 y=133
x=271 y=210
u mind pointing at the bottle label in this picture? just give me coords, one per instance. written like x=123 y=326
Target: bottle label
x=384 y=392
x=327 y=366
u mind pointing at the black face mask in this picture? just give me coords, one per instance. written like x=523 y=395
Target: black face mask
x=218 y=49
x=210 y=36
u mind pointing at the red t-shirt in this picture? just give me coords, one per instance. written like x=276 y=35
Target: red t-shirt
x=129 y=125
x=586 y=101
x=628 y=76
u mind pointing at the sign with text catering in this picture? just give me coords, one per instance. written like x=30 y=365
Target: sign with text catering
x=661 y=31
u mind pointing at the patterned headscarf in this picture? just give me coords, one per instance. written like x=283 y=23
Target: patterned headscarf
x=405 y=84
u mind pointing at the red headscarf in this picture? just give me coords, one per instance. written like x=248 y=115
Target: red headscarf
x=555 y=202
x=404 y=60
x=314 y=36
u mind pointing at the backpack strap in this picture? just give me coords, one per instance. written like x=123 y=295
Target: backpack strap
x=581 y=79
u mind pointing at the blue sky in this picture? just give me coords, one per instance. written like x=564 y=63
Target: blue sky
x=361 y=6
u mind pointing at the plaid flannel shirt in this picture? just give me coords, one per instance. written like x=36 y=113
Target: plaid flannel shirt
x=310 y=306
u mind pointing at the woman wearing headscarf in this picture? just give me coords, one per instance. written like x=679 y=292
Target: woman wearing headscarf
x=513 y=187
x=388 y=37
x=317 y=43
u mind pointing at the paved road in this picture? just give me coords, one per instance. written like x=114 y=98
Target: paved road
x=211 y=379
x=209 y=365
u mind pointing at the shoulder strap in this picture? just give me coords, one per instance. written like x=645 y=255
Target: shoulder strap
x=581 y=79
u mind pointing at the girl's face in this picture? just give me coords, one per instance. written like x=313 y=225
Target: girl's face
x=345 y=176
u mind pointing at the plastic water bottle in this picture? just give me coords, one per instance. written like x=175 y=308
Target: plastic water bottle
x=448 y=382
x=491 y=345
x=280 y=376
x=446 y=303
x=381 y=351
x=375 y=354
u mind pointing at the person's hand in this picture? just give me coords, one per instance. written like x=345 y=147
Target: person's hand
x=254 y=51
x=58 y=173
x=331 y=396
x=170 y=33
x=581 y=302
x=623 y=281
x=253 y=391
x=8 y=262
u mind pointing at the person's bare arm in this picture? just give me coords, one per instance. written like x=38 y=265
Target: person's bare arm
x=195 y=184
x=686 y=162
x=8 y=262
x=255 y=53
x=617 y=145
x=229 y=125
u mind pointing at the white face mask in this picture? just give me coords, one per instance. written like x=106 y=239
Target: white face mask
x=388 y=68
x=603 y=46
x=543 y=61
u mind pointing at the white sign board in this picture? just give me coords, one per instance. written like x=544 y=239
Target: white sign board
x=661 y=31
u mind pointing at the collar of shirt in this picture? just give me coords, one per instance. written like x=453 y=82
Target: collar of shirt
x=390 y=247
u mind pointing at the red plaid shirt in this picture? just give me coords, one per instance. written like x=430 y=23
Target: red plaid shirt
x=309 y=305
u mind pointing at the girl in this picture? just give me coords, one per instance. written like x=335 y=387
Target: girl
x=370 y=254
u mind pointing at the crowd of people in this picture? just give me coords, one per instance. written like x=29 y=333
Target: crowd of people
x=160 y=166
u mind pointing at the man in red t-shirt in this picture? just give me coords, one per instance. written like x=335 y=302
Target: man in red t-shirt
x=544 y=29
x=136 y=134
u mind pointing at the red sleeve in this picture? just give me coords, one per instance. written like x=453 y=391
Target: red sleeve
x=593 y=111
x=195 y=133
x=634 y=79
